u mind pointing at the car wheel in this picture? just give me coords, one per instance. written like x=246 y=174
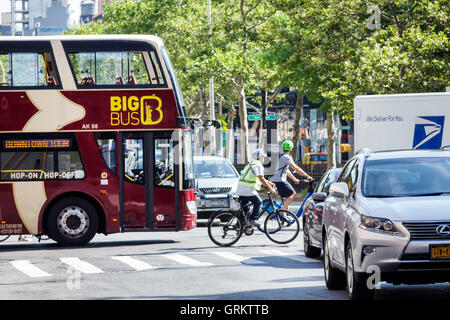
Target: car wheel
x=357 y=287
x=334 y=278
x=310 y=251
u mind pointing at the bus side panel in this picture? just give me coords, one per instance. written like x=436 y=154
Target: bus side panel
x=99 y=183
x=164 y=205
x=10 y=220
x=124 y=109
x=19 y=108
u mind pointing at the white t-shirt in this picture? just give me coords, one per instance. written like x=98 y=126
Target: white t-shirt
x=283 y=166
x=247 y=191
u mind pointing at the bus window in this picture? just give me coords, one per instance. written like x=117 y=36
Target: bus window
x=134 y=160
x=40 y=165
x=27 y=70
x=164 y=170
x=106 y=142
x=118 y=68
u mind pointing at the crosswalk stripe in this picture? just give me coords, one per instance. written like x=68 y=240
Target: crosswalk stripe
x=186 y=260
x=236 y=257
x=291 y=256
x=82 y=266
x=133 y=263
x=29 y=269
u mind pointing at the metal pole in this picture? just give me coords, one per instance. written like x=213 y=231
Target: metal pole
x=211 y=136
x=211 y=80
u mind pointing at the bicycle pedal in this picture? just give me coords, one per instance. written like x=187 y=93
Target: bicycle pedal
x=249 y=230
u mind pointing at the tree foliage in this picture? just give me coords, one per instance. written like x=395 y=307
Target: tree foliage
x=326 y=49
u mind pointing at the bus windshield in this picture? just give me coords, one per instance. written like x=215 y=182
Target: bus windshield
x=179 y=95
x=188 y=160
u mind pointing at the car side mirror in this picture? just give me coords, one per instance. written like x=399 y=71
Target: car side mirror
x=340 y=190
x=319 y=196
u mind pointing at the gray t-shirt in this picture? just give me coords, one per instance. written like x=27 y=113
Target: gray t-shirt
x=283 y=166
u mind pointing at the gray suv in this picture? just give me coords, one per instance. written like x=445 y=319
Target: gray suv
x=387 y=218
x=216 y=180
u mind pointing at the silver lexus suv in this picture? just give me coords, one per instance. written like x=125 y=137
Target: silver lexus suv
x=387 y=218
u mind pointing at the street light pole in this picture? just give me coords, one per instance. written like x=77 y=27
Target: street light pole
x=212 y=136
x=211 y=80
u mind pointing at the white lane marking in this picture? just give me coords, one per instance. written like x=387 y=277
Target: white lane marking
x=82 y=266
x=236 y=257
x=29 y=269
x=133 y=263
x=186 y=260
x=291 y=256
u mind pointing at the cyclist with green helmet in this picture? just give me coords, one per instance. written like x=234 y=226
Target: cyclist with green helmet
x=285 y=163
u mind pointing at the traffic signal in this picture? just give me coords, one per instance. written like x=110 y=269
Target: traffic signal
x=302 y=134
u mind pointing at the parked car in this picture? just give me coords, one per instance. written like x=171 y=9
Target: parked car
x=216 y=180
x=312 y=214
x=387 y=218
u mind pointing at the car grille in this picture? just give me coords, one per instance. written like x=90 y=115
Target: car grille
x=425 y=230
x=216 y=190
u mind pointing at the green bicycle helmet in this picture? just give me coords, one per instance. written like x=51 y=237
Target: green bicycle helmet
x=287 y=145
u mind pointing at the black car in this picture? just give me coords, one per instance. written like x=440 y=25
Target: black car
x=312 y=214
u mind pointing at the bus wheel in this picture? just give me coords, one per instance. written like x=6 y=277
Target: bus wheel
x=72 y=221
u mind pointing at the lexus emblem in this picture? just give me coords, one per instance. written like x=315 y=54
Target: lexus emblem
x=216 y=190
x=443 y=230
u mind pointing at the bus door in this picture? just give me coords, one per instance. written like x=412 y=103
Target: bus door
x=147 y=181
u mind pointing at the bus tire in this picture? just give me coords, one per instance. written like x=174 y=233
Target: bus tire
x=72 y=221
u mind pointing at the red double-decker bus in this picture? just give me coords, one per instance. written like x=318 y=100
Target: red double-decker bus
x=93 y=138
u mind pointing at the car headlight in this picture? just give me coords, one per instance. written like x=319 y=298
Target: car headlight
x=379 y=225
x=192 y=207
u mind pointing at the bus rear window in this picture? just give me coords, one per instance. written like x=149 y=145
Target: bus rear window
x=121 y=68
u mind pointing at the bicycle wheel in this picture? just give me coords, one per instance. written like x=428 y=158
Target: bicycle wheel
x=261 y=220
x=3 y=238
x=282 y=226
x=225 y=228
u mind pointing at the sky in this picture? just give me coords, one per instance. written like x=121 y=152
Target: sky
x=74 y=8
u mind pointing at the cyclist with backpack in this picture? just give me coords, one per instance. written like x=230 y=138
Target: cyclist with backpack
x=284 y=188
x=250 y=181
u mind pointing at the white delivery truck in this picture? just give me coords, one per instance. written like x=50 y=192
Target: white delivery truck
x=402 y=121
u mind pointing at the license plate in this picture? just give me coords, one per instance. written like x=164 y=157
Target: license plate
x=217 y=203
x=440 y=251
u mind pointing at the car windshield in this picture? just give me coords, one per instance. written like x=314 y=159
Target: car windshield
x=406 y=177
x=319 y=157
x=217 y=168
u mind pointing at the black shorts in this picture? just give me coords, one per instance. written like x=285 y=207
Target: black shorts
x=284 y=189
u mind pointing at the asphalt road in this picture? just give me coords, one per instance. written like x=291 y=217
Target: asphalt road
x=169 y=266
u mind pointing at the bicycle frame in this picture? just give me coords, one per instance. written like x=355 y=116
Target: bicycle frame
x=308 y=195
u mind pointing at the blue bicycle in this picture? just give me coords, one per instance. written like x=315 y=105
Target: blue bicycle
x=278 y=205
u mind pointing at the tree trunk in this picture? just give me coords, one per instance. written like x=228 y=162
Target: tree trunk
x=298 y=115
x=331 y=140
x=243 y=135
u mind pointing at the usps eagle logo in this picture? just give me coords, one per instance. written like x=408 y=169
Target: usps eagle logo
x=428 y=132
